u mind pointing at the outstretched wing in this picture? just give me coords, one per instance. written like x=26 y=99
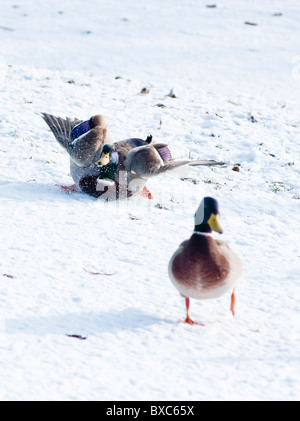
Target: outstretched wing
x=61 y=128
x=172 y=165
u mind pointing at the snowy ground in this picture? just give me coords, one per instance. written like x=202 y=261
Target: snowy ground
x=237 y=92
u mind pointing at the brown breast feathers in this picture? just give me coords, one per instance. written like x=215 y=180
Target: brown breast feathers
x=200 y=262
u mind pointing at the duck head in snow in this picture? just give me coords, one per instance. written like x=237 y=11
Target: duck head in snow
x=108 y=162
x=207 y=216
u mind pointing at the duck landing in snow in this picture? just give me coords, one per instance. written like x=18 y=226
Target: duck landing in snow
x=138 y=159
x=204 y=268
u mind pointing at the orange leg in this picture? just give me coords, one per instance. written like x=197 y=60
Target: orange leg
x=232 y=305
x=146 y=193
x=188 y=319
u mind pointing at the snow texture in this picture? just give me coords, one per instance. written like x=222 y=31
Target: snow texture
x=87 y=309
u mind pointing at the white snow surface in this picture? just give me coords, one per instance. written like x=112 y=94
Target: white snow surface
x=237 y=89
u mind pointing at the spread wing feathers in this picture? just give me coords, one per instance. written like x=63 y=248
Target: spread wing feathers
x=61 y=128
x=172 y=165
x=207 y=163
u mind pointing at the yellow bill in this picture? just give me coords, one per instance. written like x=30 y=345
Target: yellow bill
x=104 y=160
x=214 y=223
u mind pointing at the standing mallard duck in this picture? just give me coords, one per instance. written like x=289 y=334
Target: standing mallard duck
x=138 y=159
x=202 y=267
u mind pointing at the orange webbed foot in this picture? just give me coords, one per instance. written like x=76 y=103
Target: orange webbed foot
x=69 y=189
x=189 y=321
x=146 y=193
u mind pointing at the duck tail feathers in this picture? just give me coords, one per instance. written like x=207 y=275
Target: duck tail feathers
x=149 y=139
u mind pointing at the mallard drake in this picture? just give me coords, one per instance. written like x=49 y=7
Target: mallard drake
x=138 y=159
x=106 y=181
x=202 y=267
